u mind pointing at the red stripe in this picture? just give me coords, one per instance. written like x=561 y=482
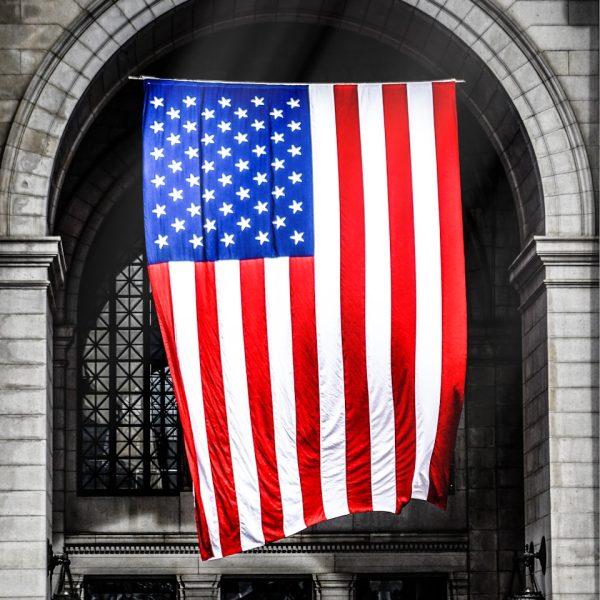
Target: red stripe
x=352 y=282
x=454 y=307
x=161 y=291
x=214 y=407
x=402 y=260
x=306 y=386
x=254 y=318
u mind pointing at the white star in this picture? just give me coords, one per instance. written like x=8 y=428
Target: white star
x=224 y=179
x=173 y=113
x=295 y=150
x=293 y=103
x=277 y=137
x=241 y=113
x=178 y=225
x=175 y=165
x=277 y=113
x=295 y=177
x=240 y=137
x=207 y=139
x=243 y=193
x=278 y=192
x=189 y=101
x=157 y=102
x=298 y=236
x=194 y=210
x=192 y=152
x=261 y=207
x=173 y=139
x=260 y=178
x=196 y=241
x=158 y=153
x=209 y=225
x=176 y=195
x=193 y=180
x=279 y=222
x=208 y=195
x=227 y=239
x=258 y=125
x=207 y=114
x=189 y=126
x=294 y=125
x=278 y=163
x=224 y=126
x=243 y=223
x=158 y=180
x=224 y=102
x=161 y=241
x=242 y=165
x=259 y=150
x=224 y=152
x=160 y=210
x=295 y=206
x=226 y=209
x=208 y=166
x=258 y=101
x=262 y=237
x=156 y=126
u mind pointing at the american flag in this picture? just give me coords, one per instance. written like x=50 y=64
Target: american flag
x=306 y=259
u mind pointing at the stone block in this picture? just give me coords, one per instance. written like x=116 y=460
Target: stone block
x=573 y=349
x=558 y=61
x=12 y=87
x=30 y=427
x=10 y=11
x=21 y=452
x=571 y=400
x=574 y=450
x=61 y=12
x=130 y=8
x=22 y=503
x=579 y=87
x=572 y=324
x=538 y=12
x=23 y=301
x=23 y=401
x=31 y=60
x=573 y=375
x=22 y=376
x=581 y=552
x=583 y=12
x=31 y=37
x=10 y=62
x=15 y=555
x=22 y=529
x=30 y=326
x=12 y=583
x=583 y=62
x=563 y=37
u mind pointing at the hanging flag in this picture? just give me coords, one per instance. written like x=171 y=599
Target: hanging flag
x=305 y=254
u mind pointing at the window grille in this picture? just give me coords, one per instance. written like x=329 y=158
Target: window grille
x=130 y=441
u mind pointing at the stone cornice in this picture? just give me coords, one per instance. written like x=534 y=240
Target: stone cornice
x=32 y=262
x=554 y=262
x=304 y=544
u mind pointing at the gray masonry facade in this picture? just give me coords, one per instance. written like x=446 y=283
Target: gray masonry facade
x=527 y=459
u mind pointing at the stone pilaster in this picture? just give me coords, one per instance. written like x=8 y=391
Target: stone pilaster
x=335 y=586
x=200 y=587
x=557 y=279
x=28 y=268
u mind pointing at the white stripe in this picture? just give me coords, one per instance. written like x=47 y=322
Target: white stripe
x=185 y=324
x=327 y=300
x=428 y=345
x=378 y=298
x=281 y=366
x=235 y=384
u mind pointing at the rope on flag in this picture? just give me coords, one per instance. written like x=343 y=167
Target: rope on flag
x=305 y=253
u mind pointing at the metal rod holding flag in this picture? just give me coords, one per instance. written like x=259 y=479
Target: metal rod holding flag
x=306 y=259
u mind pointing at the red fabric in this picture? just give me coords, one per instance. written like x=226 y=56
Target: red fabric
x=352 y=284
x=402 y=257
x=254 y=316
x=454 y=306
x=161 y=291
x=306 y=386
x=214 y=407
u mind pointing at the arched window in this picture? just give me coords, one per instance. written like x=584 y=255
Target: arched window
x=129 y=440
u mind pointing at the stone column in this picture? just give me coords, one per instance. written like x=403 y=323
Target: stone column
x=27 y=267
x=200 y=587
x=557 y=279
x=335 y=586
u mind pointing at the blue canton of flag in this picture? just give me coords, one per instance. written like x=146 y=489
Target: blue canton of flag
x=227 y=171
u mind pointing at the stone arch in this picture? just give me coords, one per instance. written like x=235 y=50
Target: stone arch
x=516 y=98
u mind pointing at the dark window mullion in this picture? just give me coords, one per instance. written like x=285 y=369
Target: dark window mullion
x=112 y=386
